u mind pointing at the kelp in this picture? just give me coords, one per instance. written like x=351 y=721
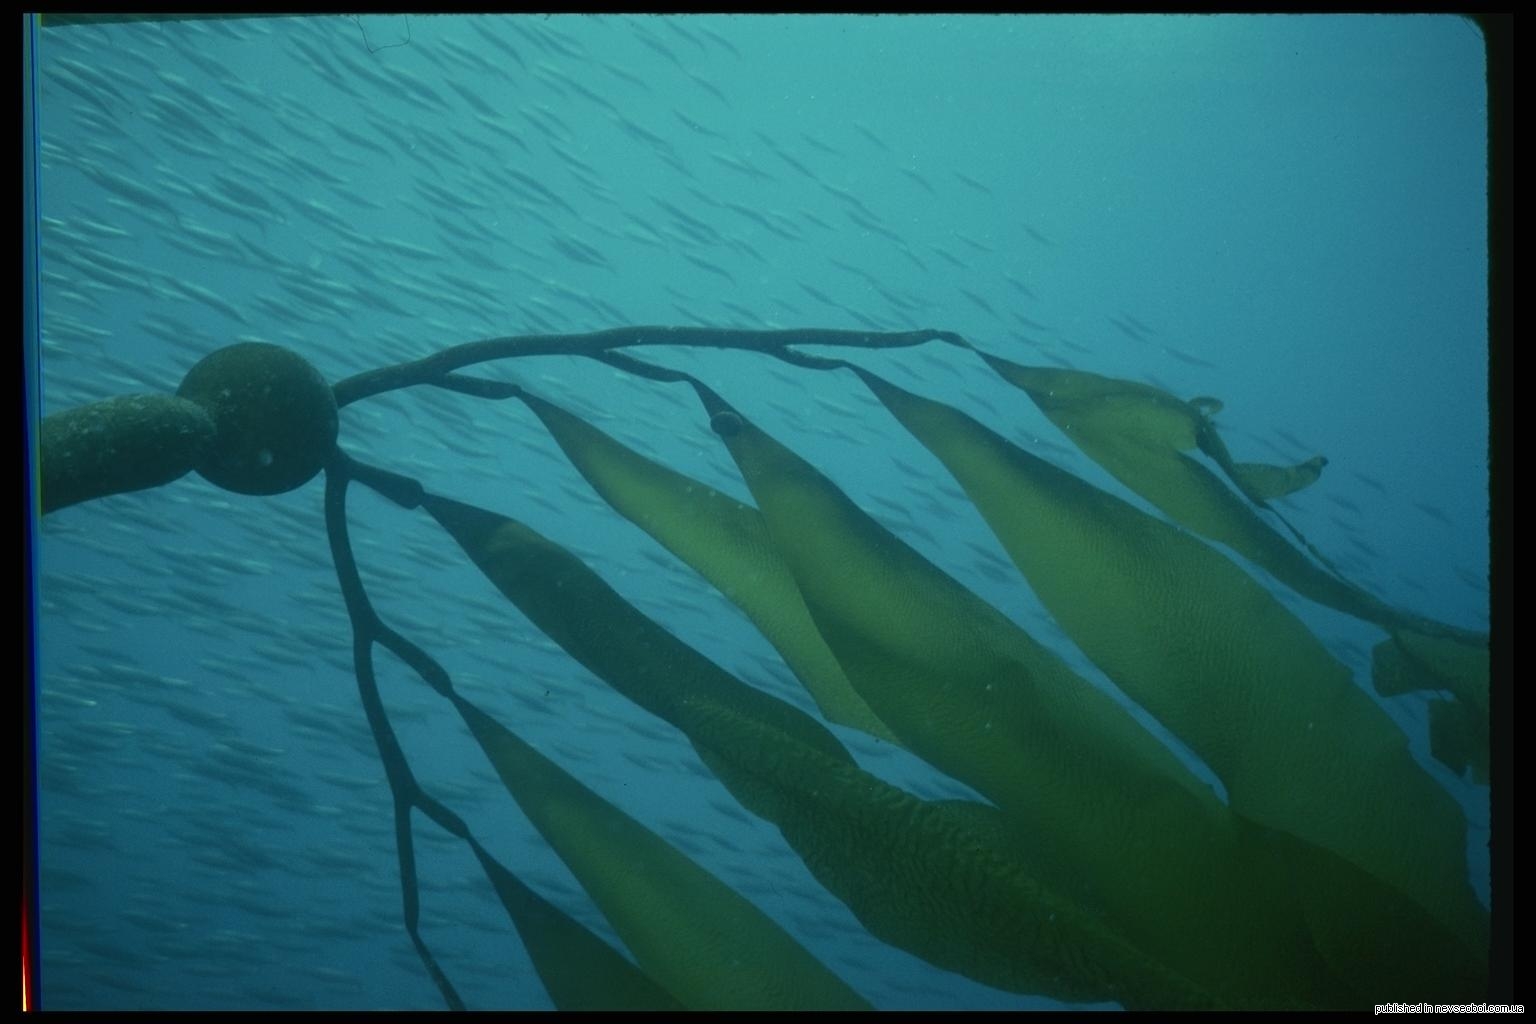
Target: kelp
x=1099 y=866
x=891 y=641
x=579 y=970
x=953 y=888
x=1219 y=660
x=1409 y=662
x=1143 y=436
x=704 y=944
x=723 y=540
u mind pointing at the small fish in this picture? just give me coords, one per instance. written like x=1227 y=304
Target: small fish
x=1127 y=330
x=1433 y=512
x=973 y=183
x=921 y=181
x=1037 y=236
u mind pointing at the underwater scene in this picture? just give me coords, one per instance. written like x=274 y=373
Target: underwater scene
x=964 y=513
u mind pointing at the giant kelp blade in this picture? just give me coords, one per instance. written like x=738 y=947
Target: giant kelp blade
x=1140 y=435
x=1216 y=658
x=579 y=970
x=1376 y=936
x=706 y=945
x=1408 y=661
x=945 y=881
x=1103 y=810
x=1458 y=738
x=723 y=540
x=1264 y=481
x=609 y=636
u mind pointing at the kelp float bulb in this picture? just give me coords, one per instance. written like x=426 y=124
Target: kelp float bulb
x=252 y=418
x=274 y=417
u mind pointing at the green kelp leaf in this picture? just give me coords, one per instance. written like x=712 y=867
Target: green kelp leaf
x=725 y=542
x=1219 y=661
x=1407 y=662
x=1101 y=809
x=1268 y=481
x=579 y=970
x=706 y=945
x=609 y=636
x=944 y=880
x=1376 y=936
x=1458 y=738
x=1140 y=434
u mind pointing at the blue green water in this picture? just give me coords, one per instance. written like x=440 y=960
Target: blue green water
x=1288 y=213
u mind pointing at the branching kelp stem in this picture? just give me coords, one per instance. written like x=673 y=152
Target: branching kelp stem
x=431 y=368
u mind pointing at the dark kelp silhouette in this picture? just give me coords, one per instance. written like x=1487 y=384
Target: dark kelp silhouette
x=1102 y=868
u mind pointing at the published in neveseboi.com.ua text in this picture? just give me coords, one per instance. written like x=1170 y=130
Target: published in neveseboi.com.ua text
x=1450 y=1008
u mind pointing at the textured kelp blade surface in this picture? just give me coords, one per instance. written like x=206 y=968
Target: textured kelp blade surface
x=608 y=635
x=1105 y=811
x=944 y=880
x=1408 y=661
x=1458 y=729
x=1140 y=434
x=1264 y=481
x=704 y=943
x=579 y=970
x=1216 y=658
x=723 y=540
x=701 y=941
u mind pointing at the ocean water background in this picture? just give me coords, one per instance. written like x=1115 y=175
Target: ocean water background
x=1288 y=213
